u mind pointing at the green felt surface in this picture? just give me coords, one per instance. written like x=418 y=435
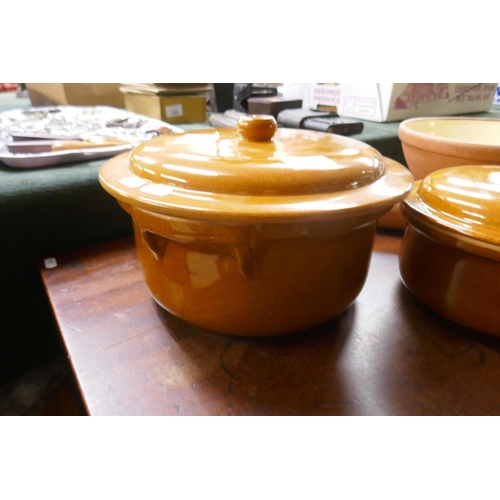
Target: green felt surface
x=38 y=219
x=44 y=211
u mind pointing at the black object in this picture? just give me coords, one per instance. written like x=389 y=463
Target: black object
x=242 y=91
x=223 y=96
x=271 y=105
x=295 y=118
x=333 y=125
x=312 y=119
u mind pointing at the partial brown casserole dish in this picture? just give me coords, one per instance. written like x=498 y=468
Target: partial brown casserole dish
x=255 y=231
x=450 y=256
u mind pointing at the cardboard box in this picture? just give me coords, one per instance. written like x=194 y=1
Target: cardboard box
x=76 y=94
x=386 y=102
x=170 y=109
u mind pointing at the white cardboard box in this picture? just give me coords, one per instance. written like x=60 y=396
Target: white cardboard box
x=385 y=102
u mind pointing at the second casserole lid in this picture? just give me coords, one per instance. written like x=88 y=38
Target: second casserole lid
x=464 y=200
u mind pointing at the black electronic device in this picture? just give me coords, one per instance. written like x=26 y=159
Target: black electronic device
x=333 y=125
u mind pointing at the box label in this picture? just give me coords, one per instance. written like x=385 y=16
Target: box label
x=351 y=99
x=359 y=106
x=174 y=110
x=496 y=99
x=432 y=95
x=326 y=94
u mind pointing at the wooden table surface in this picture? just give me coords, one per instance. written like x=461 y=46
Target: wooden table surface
x=386 y=355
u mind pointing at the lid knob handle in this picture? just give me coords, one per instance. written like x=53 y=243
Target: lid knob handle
x=259 y=128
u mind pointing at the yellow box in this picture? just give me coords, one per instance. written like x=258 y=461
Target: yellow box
x=76 y=94
x=171 y=109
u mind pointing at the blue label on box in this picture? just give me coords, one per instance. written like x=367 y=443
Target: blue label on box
x=496 y=99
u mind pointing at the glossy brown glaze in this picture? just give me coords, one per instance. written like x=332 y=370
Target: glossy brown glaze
x=464 y=201
x=450 y=258
x=257 y=127
x=385 y=355
x=214 y=174
x=257 y=281
x=457 y=284
x=250 y=233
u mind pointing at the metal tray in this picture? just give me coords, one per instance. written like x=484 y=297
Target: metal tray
x=35 y=160
x=72 y=123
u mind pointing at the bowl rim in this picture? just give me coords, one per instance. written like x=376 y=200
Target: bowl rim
x=447 y=146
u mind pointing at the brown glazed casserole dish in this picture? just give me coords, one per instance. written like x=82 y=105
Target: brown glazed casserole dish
x=450 y=255
x=255 y=231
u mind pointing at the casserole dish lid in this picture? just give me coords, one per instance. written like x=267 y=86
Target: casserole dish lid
x=256 y=171
x=464 y=201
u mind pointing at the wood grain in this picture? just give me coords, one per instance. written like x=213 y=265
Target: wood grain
x=386 y=355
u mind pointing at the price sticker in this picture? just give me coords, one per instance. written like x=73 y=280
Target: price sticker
x=174 y=111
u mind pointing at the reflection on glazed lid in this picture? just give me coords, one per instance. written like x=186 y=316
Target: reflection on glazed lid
x=293 y=162
x=258 y=177
x=465 y=200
